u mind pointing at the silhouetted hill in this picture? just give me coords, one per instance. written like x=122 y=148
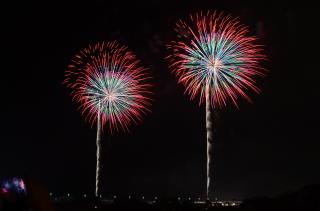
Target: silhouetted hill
x=306 y=198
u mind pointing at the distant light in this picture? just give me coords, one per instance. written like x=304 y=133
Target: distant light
x=7 y=185
x=50 y=194
x=199 y=202
x=189 y=198
x=142 y=197
x=84 y=195
x=129 y=197
x=155 y=198
x=114 y=196
x=199 y=199
x=68 y=194
x=233 y=204
x=100 y=196
x=179 y=198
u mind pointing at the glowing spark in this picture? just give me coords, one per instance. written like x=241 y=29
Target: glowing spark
x=215 y=51
x=107 y=78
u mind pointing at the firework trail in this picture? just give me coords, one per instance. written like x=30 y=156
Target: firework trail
x=110 y=87
x=215 y=58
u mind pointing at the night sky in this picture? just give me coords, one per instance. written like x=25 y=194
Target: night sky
x=265 y=148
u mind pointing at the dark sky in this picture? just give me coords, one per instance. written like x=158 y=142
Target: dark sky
x=264 y=148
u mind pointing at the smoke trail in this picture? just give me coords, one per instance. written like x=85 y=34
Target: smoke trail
x=209 y=139
x=98 y=143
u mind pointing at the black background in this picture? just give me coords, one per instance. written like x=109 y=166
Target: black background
x=264 y=148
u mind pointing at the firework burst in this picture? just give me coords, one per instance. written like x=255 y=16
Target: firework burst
x=215 y=58
x=111 y=89
x=215 y=52
x=106 y=79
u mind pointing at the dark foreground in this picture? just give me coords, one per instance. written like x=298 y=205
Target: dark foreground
x=307 y=198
